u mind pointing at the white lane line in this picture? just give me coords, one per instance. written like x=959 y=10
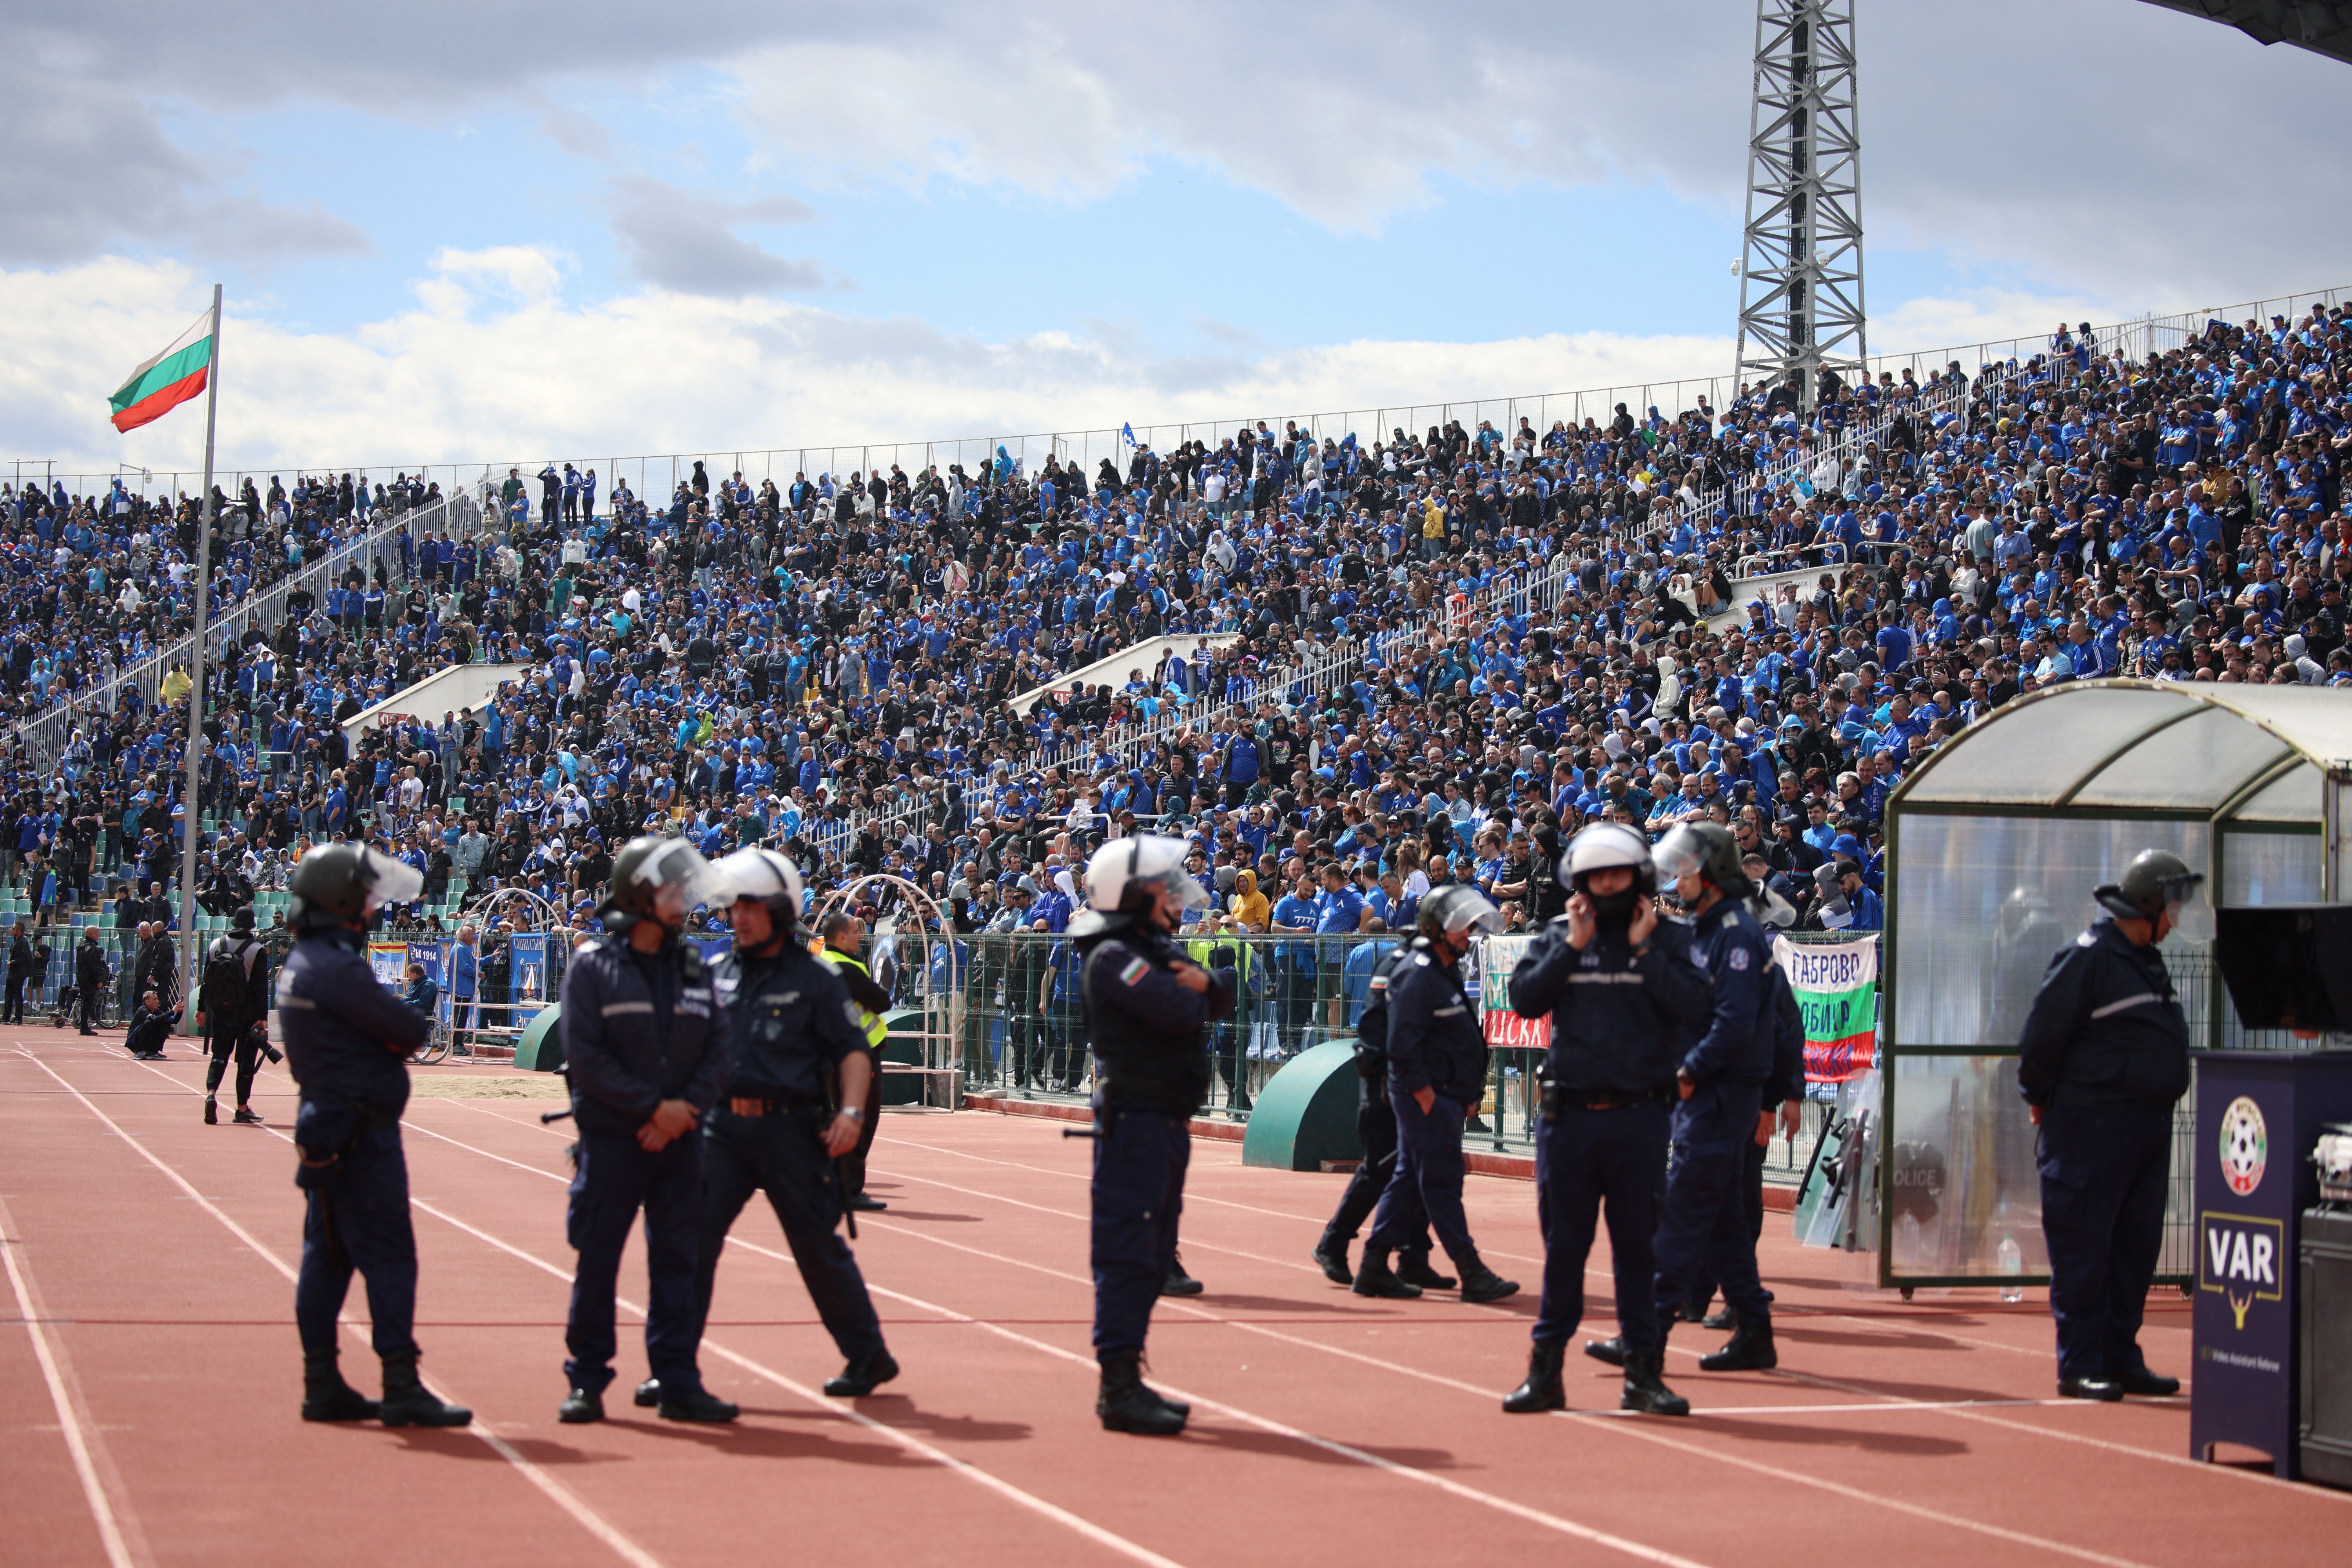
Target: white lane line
x=1004 y=1489
x=69 y=1422
x=563 y=1496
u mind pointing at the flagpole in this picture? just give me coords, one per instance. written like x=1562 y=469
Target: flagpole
x=196 y=675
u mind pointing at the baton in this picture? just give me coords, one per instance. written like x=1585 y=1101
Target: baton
x=547 y=1115
x=1080 y=1132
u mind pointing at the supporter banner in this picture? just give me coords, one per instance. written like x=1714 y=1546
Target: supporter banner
x=1506 y=1030
x=429 y=955
x=389 y=961
x=1837 y=990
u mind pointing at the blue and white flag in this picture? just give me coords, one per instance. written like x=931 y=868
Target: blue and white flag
x=1127 y=434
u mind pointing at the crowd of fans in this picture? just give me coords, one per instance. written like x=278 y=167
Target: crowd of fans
x=1400 y=661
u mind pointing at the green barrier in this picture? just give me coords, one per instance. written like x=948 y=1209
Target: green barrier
x=1306 y=1113
x=540 y=1048
x=903 y=1088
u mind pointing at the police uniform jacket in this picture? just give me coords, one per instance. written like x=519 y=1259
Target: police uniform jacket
x=1618 y=1017
x=1147 y=1030
x=1736 y=1044
x=347 y=1039
x=1433 y=1036
x=2105 y=1030
x=1787 y=1079
x=789 y=1020
x=640 y=1028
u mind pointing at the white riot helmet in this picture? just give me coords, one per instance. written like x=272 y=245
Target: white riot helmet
x=1458 y=907
x=766 y=877
x=1123 y=875
x=1607 y=847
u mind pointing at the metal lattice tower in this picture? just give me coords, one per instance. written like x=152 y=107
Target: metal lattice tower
x=1801 y=264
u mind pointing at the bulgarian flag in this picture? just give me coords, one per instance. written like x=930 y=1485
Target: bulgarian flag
x=1837 y=991
x=168 y=379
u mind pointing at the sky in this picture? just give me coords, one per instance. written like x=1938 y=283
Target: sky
x=491 y=233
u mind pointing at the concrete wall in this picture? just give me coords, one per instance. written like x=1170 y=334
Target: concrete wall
x=459 y=687
x=1112 y=671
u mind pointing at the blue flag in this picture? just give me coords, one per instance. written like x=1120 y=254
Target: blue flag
x=1126 y=433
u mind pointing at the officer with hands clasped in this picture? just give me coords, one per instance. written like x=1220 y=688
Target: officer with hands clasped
x=1436 y=1076
x=793 y=1107
x=1148 y=1009
x=347 y=1042
x=645 y=1042
x=1622 y=994
x=2103 y=1059
x=1721 y=1078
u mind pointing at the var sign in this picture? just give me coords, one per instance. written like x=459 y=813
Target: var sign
x=2243 y=1259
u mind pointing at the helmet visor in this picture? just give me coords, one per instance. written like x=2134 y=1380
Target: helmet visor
x=1677 y=856
x=1187 y=893
x=1472 y=910
x=2191 y=911
x=681 y=879
x=391 y=881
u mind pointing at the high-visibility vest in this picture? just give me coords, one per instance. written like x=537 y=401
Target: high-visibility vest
x=875 y=1028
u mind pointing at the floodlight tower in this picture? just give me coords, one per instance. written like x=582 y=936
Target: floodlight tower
x=1801 y=263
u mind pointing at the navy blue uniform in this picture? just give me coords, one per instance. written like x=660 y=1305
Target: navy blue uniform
x=2106 y=1056
x=347 y=1043
x=794 y=1025
x=638 y=1028
x=1618 y=1016
x=1787 y=1083
x=1376 y=1129
x=1149 y=1034
x=1435 y=1042
x=1703 y=1225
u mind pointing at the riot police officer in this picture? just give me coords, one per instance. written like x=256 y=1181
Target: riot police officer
x=1376 y=1130
x=1436 y=1076
x=792 y=1108
x=1147 y=1010
x=646 y=1046
x=347 y=1043
x=1622 y=994
x=2103 y=1059
x=1720 y=1079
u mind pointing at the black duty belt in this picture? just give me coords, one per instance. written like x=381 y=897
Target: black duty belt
x=756 y=1105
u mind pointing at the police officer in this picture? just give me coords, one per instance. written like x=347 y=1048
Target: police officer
x=1720 y=1079
x=1436 y=1076
x=1376 y=1130
x=1147 y=1010
x=799 y=1054
x=347 y=1041
x=233 y=998
x=646 y=1046
x=2103 y=1059
x=842 y=933
x=1622 y=994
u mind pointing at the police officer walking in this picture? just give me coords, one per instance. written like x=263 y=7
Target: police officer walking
x=1376 y=1130
x=233 y=998
x=793 y=1105
x=1703 y=1228
x=2103 y=1060
x=843 y=933
x=347 y=1043
x=646 y=1046
x=1622 y=994
x=1436 y=1076
x=1148 y=1009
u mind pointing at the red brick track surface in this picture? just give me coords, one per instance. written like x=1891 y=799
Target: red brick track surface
x=149 y=1381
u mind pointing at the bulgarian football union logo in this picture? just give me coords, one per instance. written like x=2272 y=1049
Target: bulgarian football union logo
x=2245 y=1146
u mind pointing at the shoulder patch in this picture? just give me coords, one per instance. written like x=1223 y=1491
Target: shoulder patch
x=1698 y=955
x=1421 y=961
x=1132 y=972
x=1739 y=958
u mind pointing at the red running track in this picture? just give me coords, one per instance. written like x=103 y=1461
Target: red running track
x=149 y=1382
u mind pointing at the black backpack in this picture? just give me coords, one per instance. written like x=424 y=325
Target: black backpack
x=1373 y=1024
x=226 y=981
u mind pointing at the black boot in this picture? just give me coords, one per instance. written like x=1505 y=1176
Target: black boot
x=862 y=1376
x=1611 y=1352
x=1180 y=1283
x=648 y=1393
x=581 y=1406
x=1480 y=1283
x=1749 y=1349
x=1645 y=1387
x=1331 y=1256
x=1412 y=1268
x=1723 y=1321
x=1375 y=1278
x=1126 y=1405
x=1543 y=1390
x=696 y=1405
x=325 y=1396
x=408 y=1403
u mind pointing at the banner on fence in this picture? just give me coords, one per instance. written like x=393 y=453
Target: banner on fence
x=1506 y=1030
x=389 y=961
x=1837 y=991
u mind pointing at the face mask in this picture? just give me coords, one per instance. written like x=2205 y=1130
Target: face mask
x=1614 y=909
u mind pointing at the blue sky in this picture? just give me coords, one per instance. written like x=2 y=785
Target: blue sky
x=474 y=232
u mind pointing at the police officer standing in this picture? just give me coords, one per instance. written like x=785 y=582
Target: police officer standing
x=843 y=933
x=1436 y=1076
x=793 y=1105
x=233 y=998
x=646 y=1046
x=1148 y=1009
x=2103 y=1060
x=347 y=1041
x=1376 y=1130
x=1622 y=994
x=1720 y=1079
